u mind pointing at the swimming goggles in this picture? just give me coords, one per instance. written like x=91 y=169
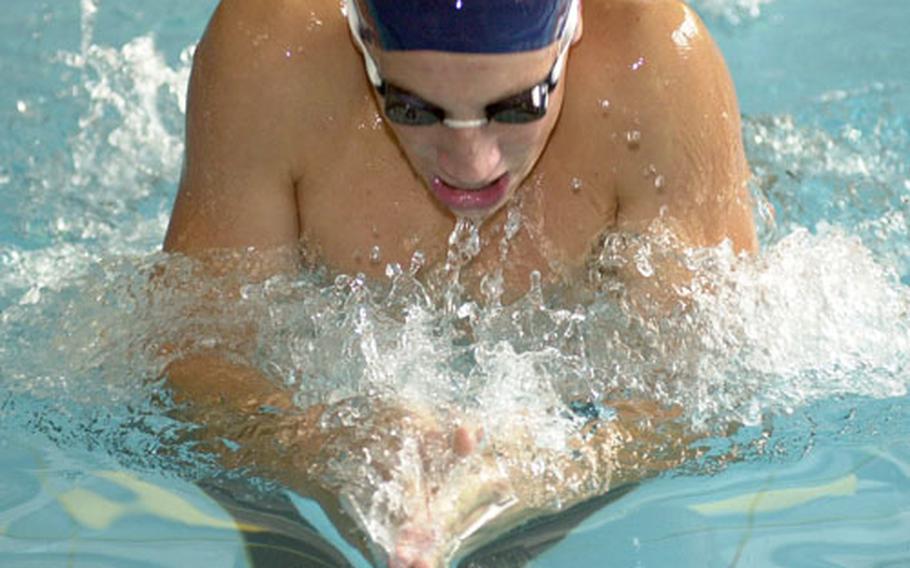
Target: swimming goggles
x=408 y=109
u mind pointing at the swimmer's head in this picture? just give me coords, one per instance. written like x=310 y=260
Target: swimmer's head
x=471 y=88
x=461 y=26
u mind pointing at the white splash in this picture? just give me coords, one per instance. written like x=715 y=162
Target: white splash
x=735 y=12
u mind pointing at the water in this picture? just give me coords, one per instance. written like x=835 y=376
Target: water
x=806 y=347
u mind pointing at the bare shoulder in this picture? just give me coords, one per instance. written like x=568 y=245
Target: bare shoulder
x=265 y=74
x=261 y=28
x=640 y=16
x=674 y=116
x=664 y=38
x=277 y=49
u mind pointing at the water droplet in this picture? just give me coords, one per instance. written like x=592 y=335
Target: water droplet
x=577 y=185
x=491 y=287
x=375 y=255
x=659 y=182
x=22 y=106
x=604 y=105
x=466 y=310
x=314 y=22
x=638 y=64
x=535 y=288
x=464 y=242
x=513 y=223
x=32 y=297
x=643 y=262
x=464 y=245
x=633 y=139
x=247 y=292
x=418 y=261
x=392 y=270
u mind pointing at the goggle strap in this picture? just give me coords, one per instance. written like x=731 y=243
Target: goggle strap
x=353 y=17
x=565 y=40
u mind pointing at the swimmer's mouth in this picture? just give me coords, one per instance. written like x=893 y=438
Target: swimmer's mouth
x=471 y=199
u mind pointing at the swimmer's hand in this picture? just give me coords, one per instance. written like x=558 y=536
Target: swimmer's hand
x=346 y=456
x=415 y=483
x=423 y=486
x=403 y=483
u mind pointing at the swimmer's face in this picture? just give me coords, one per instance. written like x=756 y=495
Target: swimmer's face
x=471 y=171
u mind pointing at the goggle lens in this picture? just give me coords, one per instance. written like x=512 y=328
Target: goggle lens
x=411 y=115
x=402 y=107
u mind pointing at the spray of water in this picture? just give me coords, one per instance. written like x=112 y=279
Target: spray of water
x=820 y=314
x=734 y=12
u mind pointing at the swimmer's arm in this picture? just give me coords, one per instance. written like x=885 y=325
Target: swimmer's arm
x=237 y=192
x=691 y=163
x=249 y=423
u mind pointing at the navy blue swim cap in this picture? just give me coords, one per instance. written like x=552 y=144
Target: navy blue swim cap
x=463 y=26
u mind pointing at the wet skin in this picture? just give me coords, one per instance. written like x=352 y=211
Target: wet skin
x=286 y=143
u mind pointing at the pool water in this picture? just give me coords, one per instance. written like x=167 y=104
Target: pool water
x=807 y=346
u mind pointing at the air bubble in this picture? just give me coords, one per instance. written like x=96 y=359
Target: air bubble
x=633 y=139
x=577 y=184
x=375 y=255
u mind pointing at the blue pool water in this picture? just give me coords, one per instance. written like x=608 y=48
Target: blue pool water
x=808 y=345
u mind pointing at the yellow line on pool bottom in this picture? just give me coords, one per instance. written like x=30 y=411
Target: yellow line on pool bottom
x=97 y=512
x=777 y=500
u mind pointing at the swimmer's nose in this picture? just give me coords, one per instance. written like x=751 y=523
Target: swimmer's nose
x=470 y=156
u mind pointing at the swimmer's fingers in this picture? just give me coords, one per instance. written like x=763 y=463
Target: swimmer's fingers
x=465 y=440
x=460 y=435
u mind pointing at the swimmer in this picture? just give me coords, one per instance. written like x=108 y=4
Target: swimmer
x=299 y=130
x=364 y=133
